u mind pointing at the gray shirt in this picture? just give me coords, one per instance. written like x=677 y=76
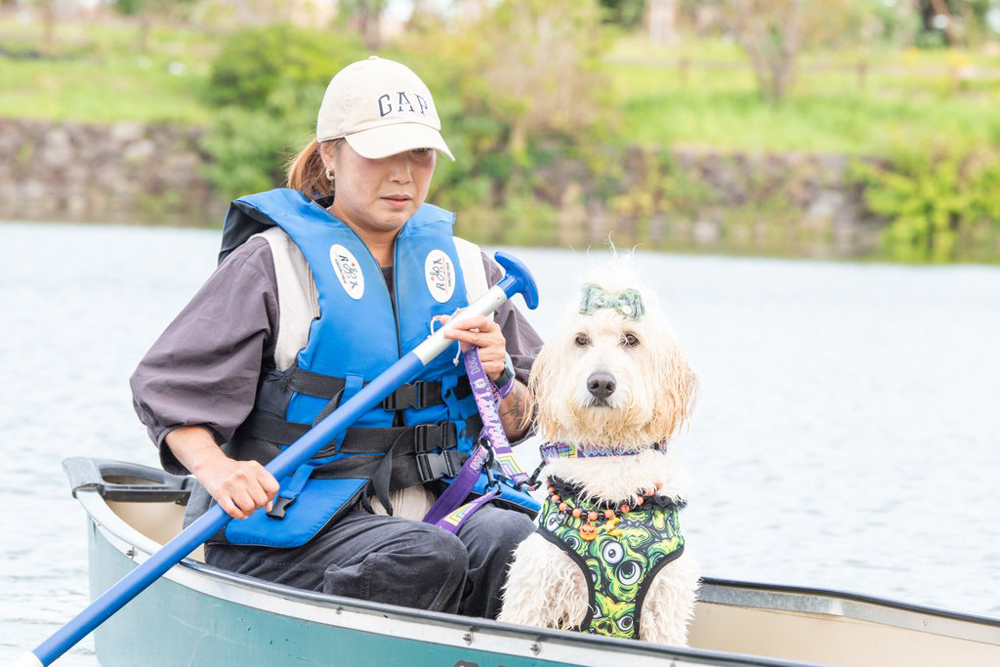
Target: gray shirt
x=203 y=369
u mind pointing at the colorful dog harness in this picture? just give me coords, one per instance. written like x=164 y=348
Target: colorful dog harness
x=619 y=548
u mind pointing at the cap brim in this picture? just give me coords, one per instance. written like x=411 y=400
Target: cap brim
x=380 y=142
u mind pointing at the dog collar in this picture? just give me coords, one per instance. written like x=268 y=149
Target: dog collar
x=565 y=450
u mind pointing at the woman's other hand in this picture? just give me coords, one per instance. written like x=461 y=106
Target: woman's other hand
x=240 y=487
x=484 y=333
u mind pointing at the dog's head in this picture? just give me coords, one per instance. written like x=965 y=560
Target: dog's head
x=613 y=374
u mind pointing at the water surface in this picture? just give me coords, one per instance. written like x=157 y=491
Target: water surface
x=846 y=434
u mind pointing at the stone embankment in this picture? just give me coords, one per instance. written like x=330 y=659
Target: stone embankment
x=116 y=172
x=779 y=203
x=796 y=204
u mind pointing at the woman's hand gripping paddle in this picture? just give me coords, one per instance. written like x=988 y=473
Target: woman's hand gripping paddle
x=517 y=281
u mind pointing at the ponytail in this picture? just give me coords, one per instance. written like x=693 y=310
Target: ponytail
x=307 y=174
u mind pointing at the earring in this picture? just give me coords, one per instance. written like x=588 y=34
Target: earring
x=330 y=175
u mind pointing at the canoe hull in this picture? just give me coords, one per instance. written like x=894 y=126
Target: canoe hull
x=199 y=615
x=191 y=627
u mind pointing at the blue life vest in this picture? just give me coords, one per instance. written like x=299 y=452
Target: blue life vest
x=357 y=336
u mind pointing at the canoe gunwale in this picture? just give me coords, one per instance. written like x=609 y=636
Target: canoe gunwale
x=379 y=618
x=854 y=606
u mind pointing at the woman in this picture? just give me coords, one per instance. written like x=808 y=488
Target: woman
x=321 y=287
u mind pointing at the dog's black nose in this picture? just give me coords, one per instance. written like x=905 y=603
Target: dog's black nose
x=601 y=385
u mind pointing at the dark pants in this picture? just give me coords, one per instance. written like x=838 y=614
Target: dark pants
x=385 y=559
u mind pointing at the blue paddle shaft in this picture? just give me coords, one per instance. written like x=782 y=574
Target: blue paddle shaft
x=215 y=518
x=517 y=280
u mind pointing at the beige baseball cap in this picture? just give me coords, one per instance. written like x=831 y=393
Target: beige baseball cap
x=381 y=108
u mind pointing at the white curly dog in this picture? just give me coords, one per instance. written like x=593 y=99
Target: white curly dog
x=611 y=388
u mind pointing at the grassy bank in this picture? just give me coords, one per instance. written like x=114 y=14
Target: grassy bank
x=97 y=74
x=903 y=97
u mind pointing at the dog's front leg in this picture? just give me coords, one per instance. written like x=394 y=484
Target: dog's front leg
x=669 y=604
x=544 y=587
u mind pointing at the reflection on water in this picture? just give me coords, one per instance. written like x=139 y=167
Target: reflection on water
x=845 y=436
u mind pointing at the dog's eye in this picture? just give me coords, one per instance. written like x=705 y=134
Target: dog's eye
x=630 y=340
x=583 y=340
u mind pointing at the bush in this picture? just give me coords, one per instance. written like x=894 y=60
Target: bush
x=267 y=84
x=941 y=205
x=256 y=62
x=250 y=150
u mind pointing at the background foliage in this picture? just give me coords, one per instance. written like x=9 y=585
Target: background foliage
x=553 y=108
x=942 y=204
x=267 y=84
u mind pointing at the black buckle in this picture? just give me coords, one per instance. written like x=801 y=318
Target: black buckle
x=280 y=505
x=428 y=437
x=417 y=395
x=435 y=465
x=405 y=396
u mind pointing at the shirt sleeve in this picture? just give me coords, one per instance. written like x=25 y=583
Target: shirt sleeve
x=203 y=369
x=523 y=343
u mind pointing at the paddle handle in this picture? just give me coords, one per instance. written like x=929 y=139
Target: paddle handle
x=517 y=280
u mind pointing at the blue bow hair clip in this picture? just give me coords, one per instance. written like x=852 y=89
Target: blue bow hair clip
x=628 y=302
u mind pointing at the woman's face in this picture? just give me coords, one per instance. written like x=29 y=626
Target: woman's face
x=378 y=195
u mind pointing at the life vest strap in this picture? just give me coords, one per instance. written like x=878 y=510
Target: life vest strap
x=417 y=395
x=424 y=437
x=287 y=496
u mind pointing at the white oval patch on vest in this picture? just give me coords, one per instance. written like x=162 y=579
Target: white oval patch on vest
x=348 y=271
x=440 y=274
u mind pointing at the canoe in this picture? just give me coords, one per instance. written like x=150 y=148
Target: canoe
x=200 y=615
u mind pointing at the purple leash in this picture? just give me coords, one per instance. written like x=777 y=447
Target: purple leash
x=448 y=511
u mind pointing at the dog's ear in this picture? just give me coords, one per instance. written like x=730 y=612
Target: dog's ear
x=540 y=385
x=686 y=386
x=679 y=392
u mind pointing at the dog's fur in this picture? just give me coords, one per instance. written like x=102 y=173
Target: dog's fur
x=654 y=395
